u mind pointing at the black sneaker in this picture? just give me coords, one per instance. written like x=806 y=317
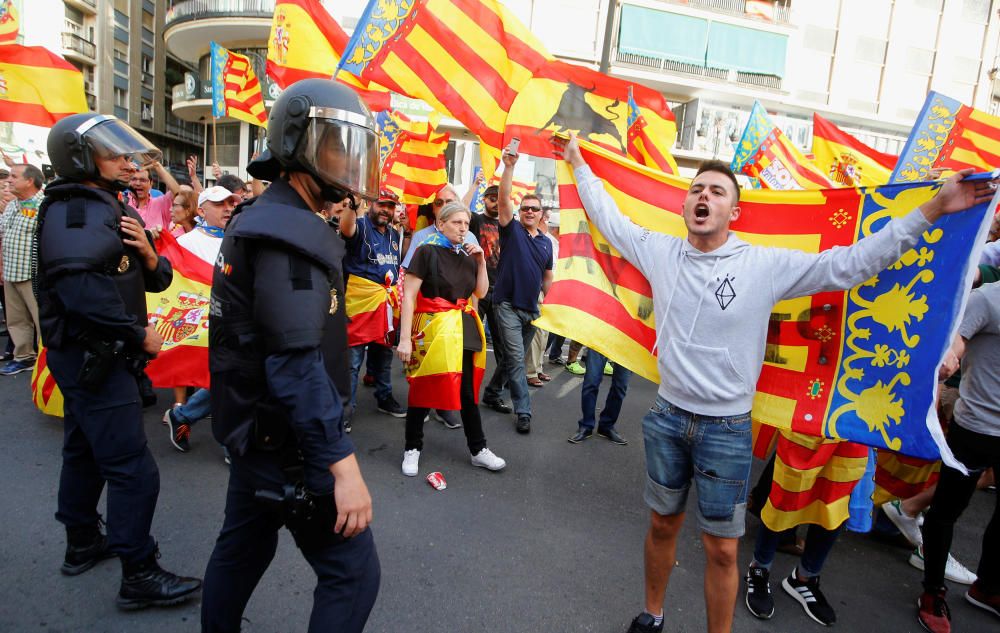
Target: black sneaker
x=146 y=584
x=523 y=424
x=759 y=599
x=613 y=436
x=85 y=547
x=645 y=623
x=813 y=602
x=179 y=432
x=497 y=405
x=393 y=408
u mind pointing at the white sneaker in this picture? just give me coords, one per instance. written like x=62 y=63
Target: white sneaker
x=486 y=459
x=953 y=570
x=411 y=462
x=909 y=526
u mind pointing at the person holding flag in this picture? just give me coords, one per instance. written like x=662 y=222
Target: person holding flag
x=713 y=295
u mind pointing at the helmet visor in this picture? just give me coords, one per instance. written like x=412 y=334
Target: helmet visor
x=110 y=137
x=342 y=153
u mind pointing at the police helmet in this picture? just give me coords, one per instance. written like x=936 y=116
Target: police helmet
x=323 y=128
x=75 y=140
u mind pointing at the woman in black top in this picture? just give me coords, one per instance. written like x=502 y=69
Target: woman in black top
x=441 y=337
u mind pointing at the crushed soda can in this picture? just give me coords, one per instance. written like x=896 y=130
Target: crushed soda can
x=436 y=480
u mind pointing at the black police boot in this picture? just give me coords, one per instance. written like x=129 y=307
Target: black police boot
x=85 y=547
x=146 y=584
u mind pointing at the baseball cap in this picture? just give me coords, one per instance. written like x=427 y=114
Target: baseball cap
x=387 y=195
x=217 y=194
x=492 y=190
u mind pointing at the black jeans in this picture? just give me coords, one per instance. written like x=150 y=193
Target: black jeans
x=954 y=491
x=472 y=423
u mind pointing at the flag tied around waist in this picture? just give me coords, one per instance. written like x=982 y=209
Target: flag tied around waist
x=180 y=315
x=858 y=365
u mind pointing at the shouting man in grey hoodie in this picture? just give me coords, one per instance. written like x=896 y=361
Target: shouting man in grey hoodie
x=712 y=296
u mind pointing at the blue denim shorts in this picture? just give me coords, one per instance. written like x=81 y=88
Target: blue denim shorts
x=714 y=451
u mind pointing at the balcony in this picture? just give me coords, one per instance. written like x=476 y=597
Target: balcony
x=78 y=48
x=778 y=11
x=87 y=6
x=667 y=66
x=192 y=24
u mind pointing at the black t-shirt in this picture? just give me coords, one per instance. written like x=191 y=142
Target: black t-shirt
x=450 y=276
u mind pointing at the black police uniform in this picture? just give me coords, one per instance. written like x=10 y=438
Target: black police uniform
x=277 y=281
x=92 y=305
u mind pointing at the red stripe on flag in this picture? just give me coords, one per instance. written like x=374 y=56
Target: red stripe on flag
x=421 y=161
x=490 y=22
x=618 y=270
x=435 y=391
x=181 y=366
x=991 y=160
x=587 y=298
x=30 y=113
x=823 y=490
x=285 y=76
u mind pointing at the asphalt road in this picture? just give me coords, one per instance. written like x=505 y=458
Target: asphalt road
x=553 y=543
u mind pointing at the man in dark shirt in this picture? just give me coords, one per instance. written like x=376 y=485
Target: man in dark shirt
x=525 y=269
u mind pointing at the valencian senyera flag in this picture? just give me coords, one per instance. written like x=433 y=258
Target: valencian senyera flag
x=765 y=153
x=518 y=189
x=306 y=43
x=37 y=86
x=180 y=315
x=950 y=136
x=235 y=89
x=466 y=58
x=412 y=157
x=845 y=160
x=859 y=365
x=9 y=24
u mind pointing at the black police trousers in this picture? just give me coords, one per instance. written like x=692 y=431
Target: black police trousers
x=348 y=572
x=105 y=442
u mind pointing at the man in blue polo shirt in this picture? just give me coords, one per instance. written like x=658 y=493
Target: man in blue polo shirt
x=372 y=268
x=525 y=269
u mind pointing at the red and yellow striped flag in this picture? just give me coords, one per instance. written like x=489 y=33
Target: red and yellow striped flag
x=371 y=310
x=518 y=189
x=306 y=42
x=766 y=154
x=9 y=23
x=468 y=59
x=37 y=86
x=951 y=136
x=235 y=89
x=838 y=364
x=845 y=160
x=412 y=156
x=44 y=390
x=901 y=477
x=649 y=144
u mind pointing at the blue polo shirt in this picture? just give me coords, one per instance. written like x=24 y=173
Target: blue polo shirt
x=372 y=254
x=523 y=261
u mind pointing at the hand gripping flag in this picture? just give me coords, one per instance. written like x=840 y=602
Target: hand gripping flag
x=859 y=365
x=950 y=136
x=9 y=24
x=37 y=86
x=235 y=89
x=845 y=160
x=180 y=315
x=306 y=42
x=412 y=157
x=466 y=58
x=765 y=153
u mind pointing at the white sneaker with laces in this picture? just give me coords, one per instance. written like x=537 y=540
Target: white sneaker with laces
x=953 y=570
x=411 y=462
x=486 y=459
x=909 y=526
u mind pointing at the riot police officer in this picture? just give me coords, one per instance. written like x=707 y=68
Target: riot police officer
x=277 y=280
x=95 y=263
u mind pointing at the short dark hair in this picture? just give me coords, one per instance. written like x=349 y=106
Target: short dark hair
x=721 y=167
x=533 y=196
x=33 y=173
x=231 y=182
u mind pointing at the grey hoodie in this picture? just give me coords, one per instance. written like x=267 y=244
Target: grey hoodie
x=712 y=309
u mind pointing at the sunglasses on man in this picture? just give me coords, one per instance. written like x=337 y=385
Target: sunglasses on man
x=533 y=209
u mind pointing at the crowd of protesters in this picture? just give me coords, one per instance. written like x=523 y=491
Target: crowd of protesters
x=467 y=281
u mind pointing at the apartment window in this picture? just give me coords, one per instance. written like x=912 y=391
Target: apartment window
x=919 y=60
x=965 y=70
x=976 y=11
x=74 y=15
x=121 y=97
x=147 y=20
x=930 y=5
x=146 y=111
x=820 y=39
x=870 y=50
x=122 y=6
x=121 y=51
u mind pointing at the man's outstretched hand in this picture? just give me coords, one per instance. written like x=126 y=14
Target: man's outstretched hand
x=957 y=194
x=568 y=150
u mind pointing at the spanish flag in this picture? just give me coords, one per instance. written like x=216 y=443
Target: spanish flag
x=9 y=24
x=412 y=157
x=180 y=315
x=306 y=42
x=845 y=160
x=951 y=136
x=435 y=368
x=468 y=59
x=37 y=86
x=765 y=153
x=372 y=310
x=856 y=365
x=235 y=89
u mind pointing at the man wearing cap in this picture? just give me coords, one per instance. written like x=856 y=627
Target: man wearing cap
x=215 y=206
x=371 y=265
